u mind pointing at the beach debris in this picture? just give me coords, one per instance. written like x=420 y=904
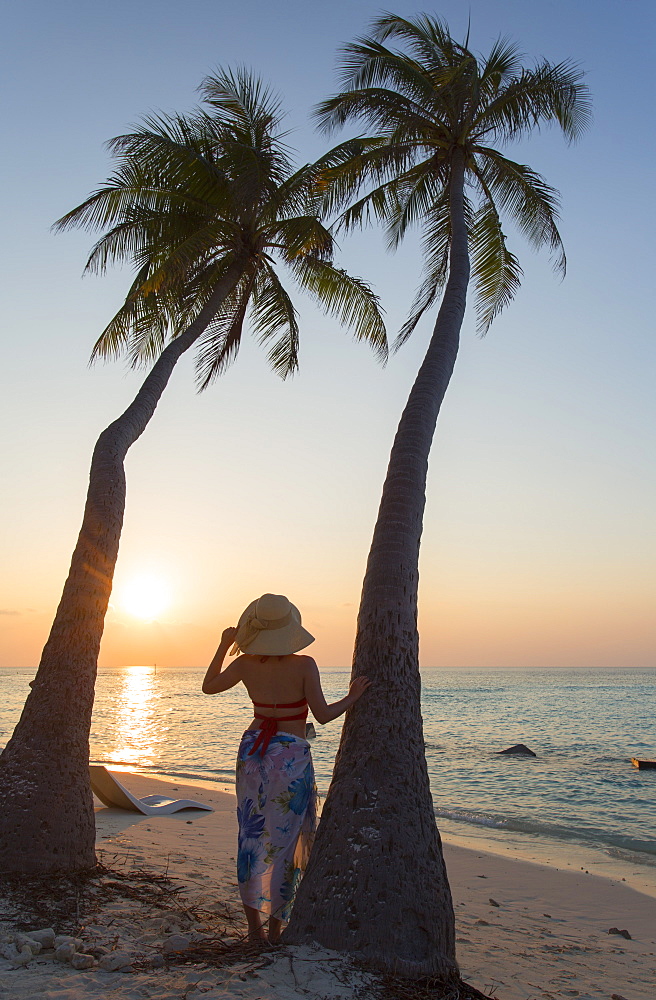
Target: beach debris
x=22 y=957
x=116 y=961
x=617 y=996
x=176 y=943
x=65 y=951
x=97 y=951
x=7 y=950
x=45 y=937
x=22 y=940
x=643 y=765
x=81 y=962
x=19 y=953
x=622 y=933
x=493 y=902
x=67 y=939
x=519 y=749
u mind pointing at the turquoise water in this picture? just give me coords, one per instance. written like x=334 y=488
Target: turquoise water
x=579 y=800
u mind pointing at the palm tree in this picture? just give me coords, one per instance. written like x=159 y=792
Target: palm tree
x=376 y=884
x=205 y=207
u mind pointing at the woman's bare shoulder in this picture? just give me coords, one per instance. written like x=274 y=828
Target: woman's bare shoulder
x=307 y=664
x=244 y=663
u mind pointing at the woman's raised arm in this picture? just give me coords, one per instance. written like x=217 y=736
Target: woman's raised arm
x=216 y=679
x=321 y=710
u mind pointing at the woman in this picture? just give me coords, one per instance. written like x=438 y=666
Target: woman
x=276 y=794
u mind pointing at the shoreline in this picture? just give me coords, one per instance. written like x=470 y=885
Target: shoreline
x=566 y=856
x=524 y=931
x=549 y=933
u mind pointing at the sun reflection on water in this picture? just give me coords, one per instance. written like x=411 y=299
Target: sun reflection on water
x=136 y=730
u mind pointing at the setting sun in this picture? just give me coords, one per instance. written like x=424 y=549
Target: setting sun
x=146 y=596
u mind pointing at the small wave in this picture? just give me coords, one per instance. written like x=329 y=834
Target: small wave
x=222 y=776
x=628 y=855
x=633 y=845
x=476 y=819
x=609 y=841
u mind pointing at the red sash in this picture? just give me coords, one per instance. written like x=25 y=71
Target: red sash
x=270 y=723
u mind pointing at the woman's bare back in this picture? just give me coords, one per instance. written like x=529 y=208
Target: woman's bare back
x=276 y=680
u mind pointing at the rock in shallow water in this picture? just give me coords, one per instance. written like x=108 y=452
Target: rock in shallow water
x=520 y=749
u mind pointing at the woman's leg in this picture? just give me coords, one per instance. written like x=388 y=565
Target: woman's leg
x=251 y=848
x=275 y=930
x=256 y=930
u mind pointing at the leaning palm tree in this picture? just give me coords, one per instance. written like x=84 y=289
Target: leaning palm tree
x=206 y=207
x=376 y=884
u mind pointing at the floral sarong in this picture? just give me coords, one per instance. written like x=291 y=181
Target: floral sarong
x=277 y=814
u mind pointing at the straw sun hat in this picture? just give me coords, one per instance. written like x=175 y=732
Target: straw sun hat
x=271 y=626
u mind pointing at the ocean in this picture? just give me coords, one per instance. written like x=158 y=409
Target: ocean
x=579 y=803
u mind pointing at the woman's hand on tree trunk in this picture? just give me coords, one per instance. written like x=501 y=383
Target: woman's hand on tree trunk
x=357 y=687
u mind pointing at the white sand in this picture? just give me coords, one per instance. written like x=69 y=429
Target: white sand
x=547 y=938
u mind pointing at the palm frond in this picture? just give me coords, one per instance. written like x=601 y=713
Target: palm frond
x=368 y=64
x=380 y=107
x=140 y=329
x=502 y=64
x=347 y=169
x=496 y=271
x=219 y=344
x=299 y=235
x=436 y=243
x=137 y=187
x=417 y=191
x=182 y=149
x=150 y=317
x=348 y=298
x=427 y=38
x=379 y=204
x=240 y=99
x=531 y=203
x=546 y=94
x=274 y=317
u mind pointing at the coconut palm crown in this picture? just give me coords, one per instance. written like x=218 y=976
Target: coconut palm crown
x=376 y=884
x=435 y=110
x=192 y=197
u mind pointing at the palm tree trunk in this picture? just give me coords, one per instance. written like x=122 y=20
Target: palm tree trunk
x=46 y=806
x=376 y=884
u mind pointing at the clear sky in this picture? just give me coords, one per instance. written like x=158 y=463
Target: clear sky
x=539 y=539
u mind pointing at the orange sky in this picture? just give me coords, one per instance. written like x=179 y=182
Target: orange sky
x=539 y=544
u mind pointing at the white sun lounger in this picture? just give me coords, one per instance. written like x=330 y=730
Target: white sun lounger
x=112 y=793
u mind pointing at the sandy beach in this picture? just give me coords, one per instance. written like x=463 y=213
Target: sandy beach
x=524 y=931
